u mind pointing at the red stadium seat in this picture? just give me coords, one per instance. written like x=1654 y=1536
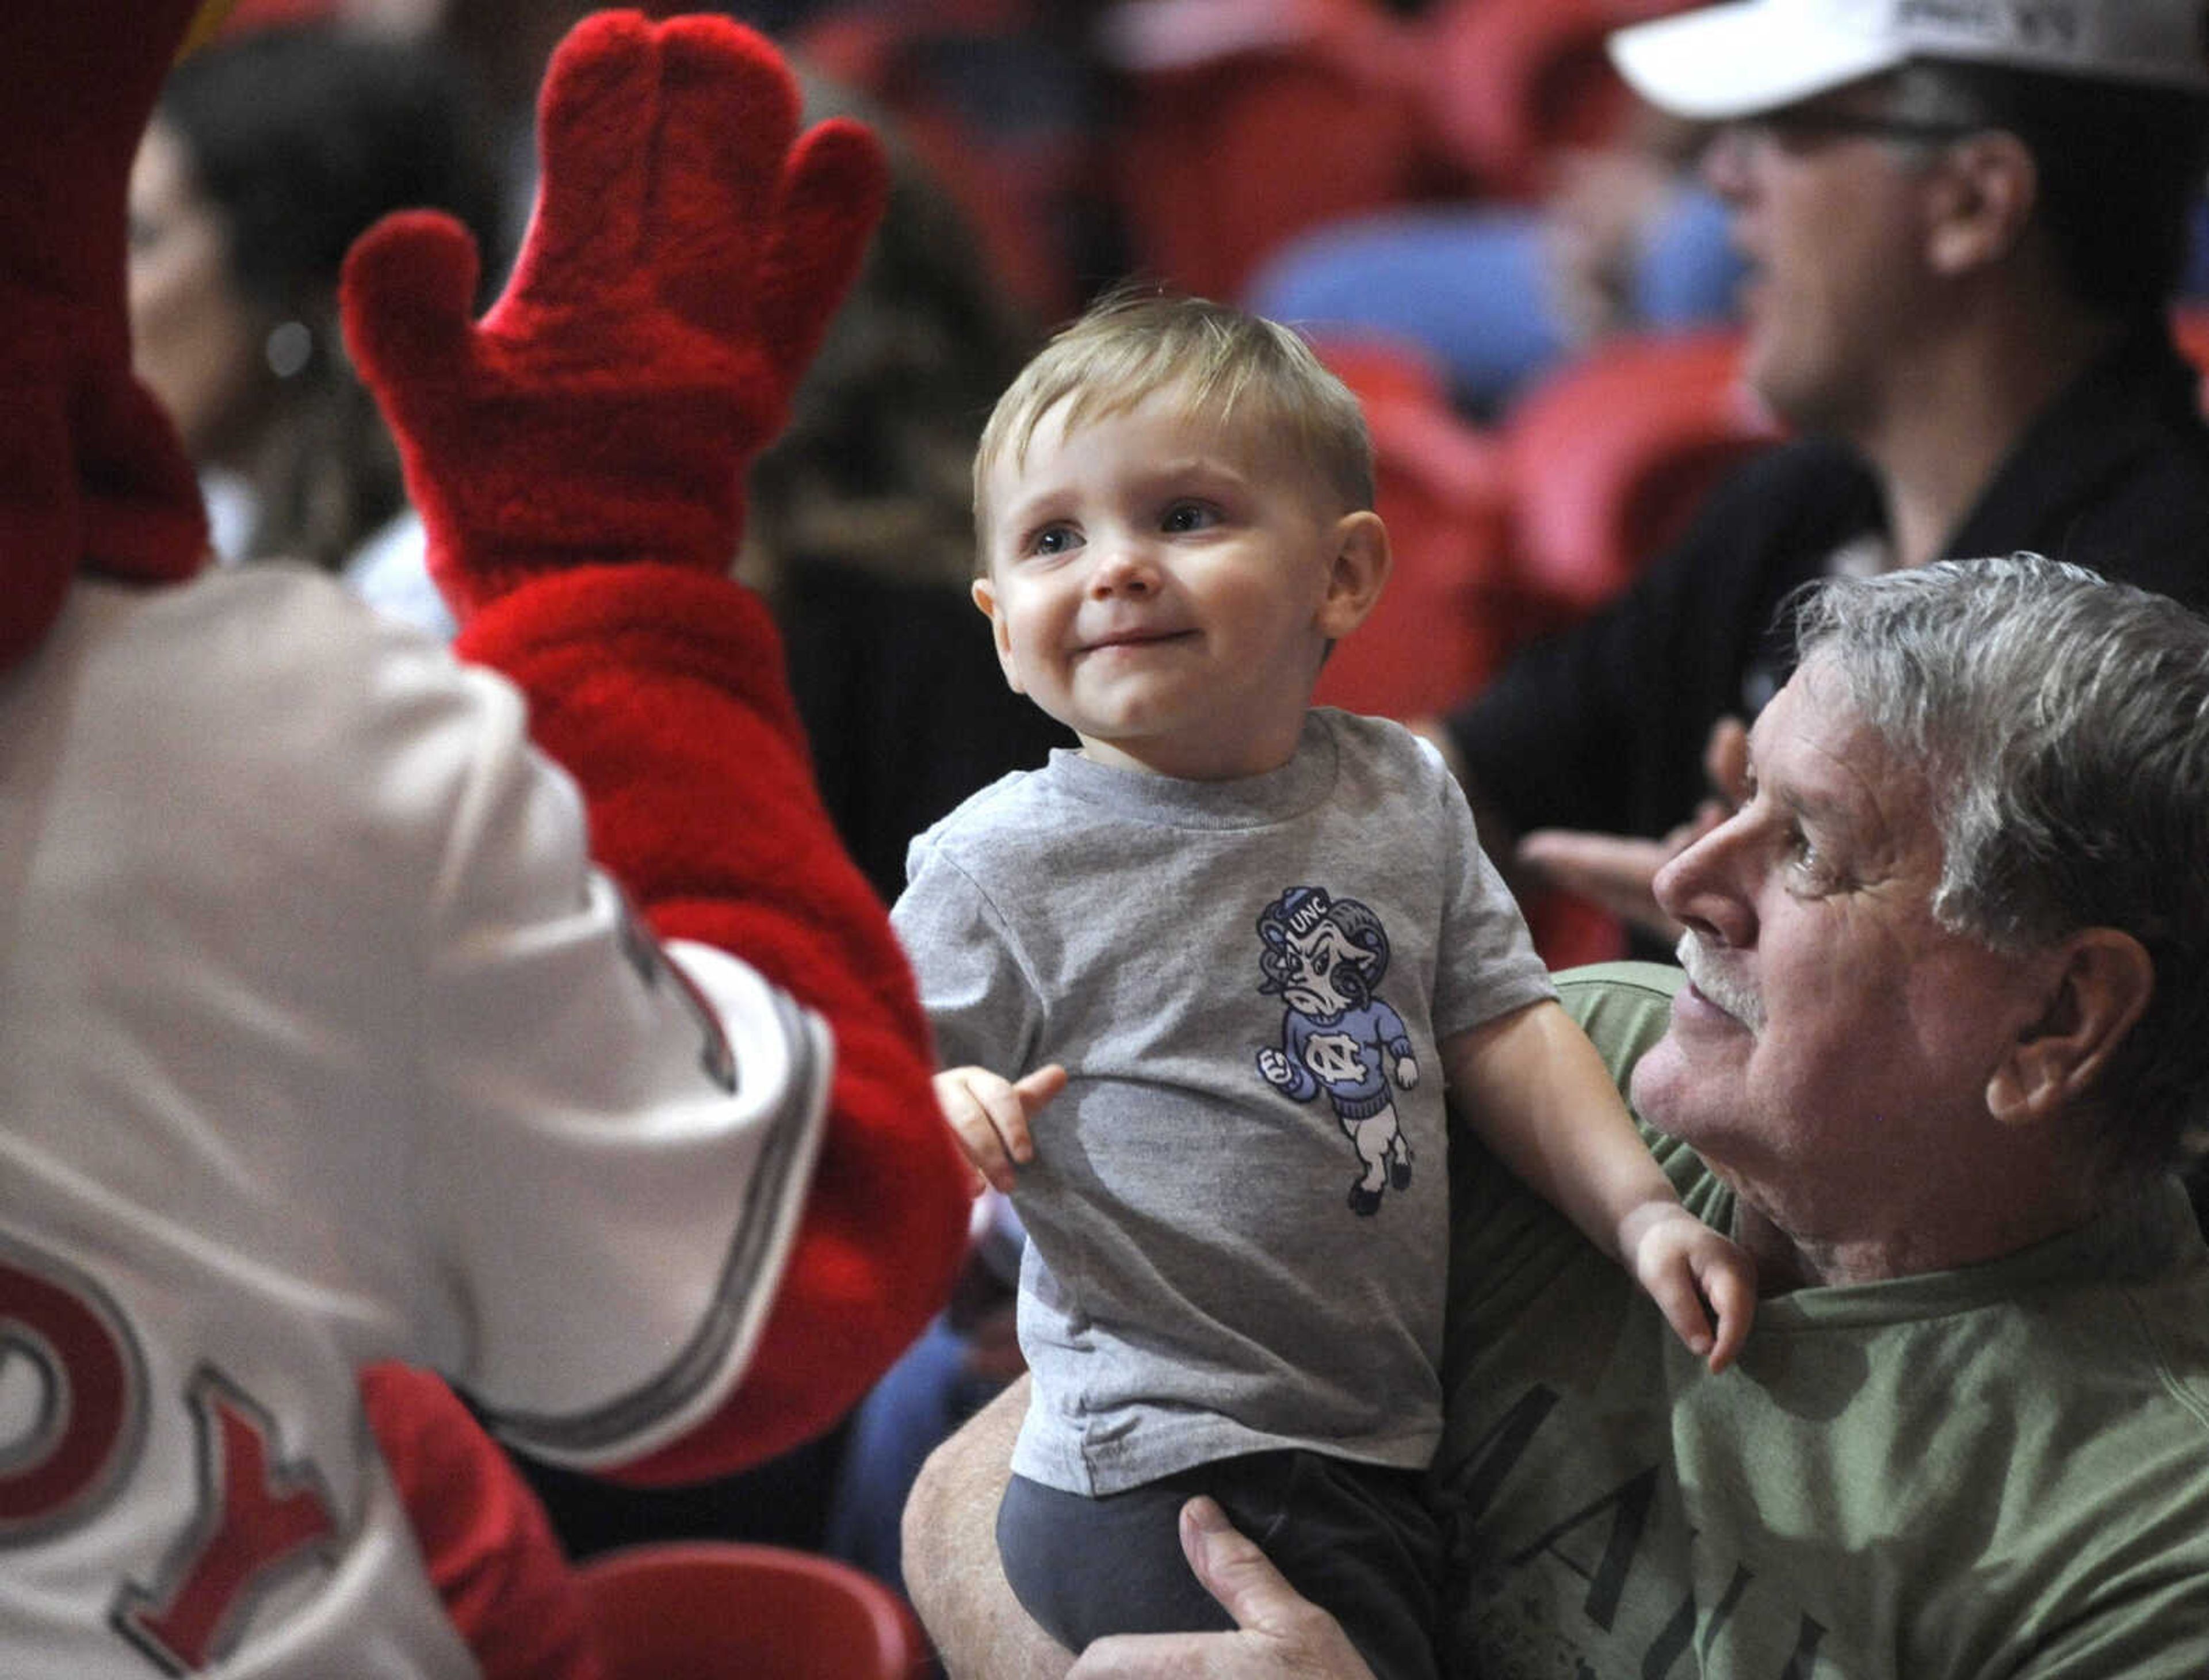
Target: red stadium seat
x=713 y=1609
x=1015 y=188
x=1452 y=611
x=1509 y=83
x=1608 y=458
x=1234 y=138
x=2190 y=327
x=1447 y=616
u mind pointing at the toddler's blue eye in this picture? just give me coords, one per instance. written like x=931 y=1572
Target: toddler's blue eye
x=1188 y=516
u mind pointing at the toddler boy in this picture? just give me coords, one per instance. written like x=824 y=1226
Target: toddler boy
x=1242 y=947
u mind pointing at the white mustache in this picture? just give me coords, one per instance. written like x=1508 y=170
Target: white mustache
x=1720 y=984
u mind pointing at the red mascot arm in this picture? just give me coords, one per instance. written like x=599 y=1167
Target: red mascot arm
x=577 y=457
x=92 y=475
x=485 y=1539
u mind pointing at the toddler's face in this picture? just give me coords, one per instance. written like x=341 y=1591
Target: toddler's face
x=1164 y=587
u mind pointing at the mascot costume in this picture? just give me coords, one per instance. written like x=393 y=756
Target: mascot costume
x=520 y=1018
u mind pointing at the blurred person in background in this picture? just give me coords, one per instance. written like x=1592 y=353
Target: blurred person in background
x=1503 y=294
x=269 y=153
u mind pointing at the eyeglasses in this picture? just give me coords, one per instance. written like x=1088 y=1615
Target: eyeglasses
x=1797 y=127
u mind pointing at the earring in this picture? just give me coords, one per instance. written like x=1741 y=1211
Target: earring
x=289 y=347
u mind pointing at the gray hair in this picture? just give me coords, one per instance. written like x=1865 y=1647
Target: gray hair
x=2062 y=723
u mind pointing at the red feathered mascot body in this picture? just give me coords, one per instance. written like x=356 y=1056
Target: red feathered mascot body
x=520 y=1018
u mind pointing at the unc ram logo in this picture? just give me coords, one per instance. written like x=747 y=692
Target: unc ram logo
x=1325 y=959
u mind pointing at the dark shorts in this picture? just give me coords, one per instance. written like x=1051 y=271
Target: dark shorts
x=1358 y=1539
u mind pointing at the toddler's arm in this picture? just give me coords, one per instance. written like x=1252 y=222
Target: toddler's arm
x=1537 y=1094
x=989 y=1115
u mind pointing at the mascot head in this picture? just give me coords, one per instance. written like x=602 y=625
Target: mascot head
x=92 y=475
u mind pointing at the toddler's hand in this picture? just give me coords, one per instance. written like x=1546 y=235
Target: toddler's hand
x=989 y=1114
x=1683 y=1264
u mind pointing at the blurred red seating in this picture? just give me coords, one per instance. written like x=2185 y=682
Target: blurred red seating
x=1507 y=84
x=1447 y=616
x=2189 y=328
x=717 y=1610
x=1015 y=188
x=1608 y=459
x=1605 y=462
x=1245 y=123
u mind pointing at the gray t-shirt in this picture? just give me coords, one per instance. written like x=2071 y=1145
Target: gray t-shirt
x=1237 y=1213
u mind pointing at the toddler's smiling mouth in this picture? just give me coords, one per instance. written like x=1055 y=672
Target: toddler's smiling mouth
x=1134 y=638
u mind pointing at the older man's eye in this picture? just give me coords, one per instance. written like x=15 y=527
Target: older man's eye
x=1804 y=857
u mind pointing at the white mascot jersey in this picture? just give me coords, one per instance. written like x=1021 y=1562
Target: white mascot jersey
x=248 y=1150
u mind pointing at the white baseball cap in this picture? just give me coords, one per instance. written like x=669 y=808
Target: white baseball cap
x=1749 y=56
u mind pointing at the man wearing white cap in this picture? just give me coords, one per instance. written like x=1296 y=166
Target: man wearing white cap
x=1729 y=61
x=1963 y=220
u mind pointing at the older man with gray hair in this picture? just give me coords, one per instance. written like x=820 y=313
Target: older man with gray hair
x=1942 y=1030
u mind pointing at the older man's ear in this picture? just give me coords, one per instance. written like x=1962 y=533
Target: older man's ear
x=2102 y=980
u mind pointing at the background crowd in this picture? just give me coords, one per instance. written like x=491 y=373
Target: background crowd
x=1529 y=278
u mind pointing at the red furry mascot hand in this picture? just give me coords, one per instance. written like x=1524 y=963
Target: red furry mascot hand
x=577 y=458
x=687 y=252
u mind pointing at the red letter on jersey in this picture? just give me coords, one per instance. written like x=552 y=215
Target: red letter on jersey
x=260 y=1519
x=87 y=1373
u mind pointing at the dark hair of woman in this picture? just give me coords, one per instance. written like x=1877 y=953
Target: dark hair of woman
x=300 y=139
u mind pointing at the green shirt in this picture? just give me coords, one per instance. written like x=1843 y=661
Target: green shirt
x=1998 y=1470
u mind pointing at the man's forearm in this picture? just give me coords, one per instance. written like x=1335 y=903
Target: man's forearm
x=950 y=1555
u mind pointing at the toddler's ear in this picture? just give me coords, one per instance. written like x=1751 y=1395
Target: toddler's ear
x=1359 y=573
x=985 y=595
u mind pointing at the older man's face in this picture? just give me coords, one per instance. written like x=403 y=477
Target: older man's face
x=1834 y=1040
